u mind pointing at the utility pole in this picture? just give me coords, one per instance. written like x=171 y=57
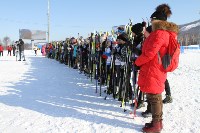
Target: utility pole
x=198 y=36
x=48 y=17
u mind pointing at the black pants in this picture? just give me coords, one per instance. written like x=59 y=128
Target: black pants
x=13 y=52
x=167 y=88
x=117 y=70
x=66 y=58
x=9 y=52
x=1 y=53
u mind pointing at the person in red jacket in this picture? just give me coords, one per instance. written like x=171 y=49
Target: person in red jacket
x=50 y=50
x=168 y=98
x=152 y=77
x=1 y=50
x=9 y=48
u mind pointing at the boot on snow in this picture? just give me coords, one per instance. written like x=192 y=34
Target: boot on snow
x=146 y=114
x=168 y=99
x=153 y=127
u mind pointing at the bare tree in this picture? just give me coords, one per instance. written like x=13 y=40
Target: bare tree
x=6 y=40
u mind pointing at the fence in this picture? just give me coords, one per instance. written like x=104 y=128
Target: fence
x=190 y=48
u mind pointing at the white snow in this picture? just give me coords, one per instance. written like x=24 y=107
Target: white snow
x=41 y=95
x=188 y=27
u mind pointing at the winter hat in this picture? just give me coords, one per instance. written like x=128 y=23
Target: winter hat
x=137 y=28
x=162 y=12
x=120 y=30
x=123 y=37
x=149 y=29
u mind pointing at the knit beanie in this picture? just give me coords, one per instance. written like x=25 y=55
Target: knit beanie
x=162 y=12
x=123 y=37
x=137 y=28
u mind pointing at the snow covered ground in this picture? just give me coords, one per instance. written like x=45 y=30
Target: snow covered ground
x=41 y=95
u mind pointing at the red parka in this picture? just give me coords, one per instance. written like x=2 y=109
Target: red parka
x=9 y=48
x=1 y=48
x=151 y=77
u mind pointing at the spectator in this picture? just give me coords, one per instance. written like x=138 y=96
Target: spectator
x=21 y=49
x=9 y=48
x=1 y=50
x=35 y=48
x=152 y=78
x=13 y=48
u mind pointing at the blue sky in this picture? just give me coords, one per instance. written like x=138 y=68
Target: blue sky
x=70 y=17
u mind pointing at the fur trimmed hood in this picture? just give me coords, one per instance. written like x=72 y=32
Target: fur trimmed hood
x=164 y=25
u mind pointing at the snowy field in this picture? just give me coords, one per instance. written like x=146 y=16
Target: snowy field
x=41 y=95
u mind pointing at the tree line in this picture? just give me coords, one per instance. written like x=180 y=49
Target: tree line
x=6 y=41
x=189 y=39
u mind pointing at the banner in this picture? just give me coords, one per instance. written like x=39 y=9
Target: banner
x=32 y=34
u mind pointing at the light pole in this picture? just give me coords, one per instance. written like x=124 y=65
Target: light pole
x=48 y=17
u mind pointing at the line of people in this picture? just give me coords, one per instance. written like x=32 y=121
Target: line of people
x=127 y=63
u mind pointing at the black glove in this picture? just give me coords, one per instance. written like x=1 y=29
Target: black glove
x=135 y=66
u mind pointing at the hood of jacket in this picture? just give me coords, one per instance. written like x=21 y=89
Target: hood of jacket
x=164 y=25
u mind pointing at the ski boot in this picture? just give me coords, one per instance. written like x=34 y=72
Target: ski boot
x=120 y=99
x=168 y=99
x=75 y=67
x=146 y=114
